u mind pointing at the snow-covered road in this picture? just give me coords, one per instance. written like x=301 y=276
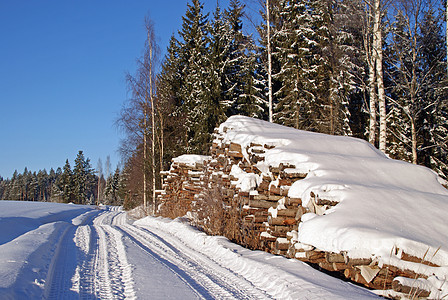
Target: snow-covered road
x=116 y=260
x=57 y=251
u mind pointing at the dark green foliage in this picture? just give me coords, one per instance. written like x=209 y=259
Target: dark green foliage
x=63 y=185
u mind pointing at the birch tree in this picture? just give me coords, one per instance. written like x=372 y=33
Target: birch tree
x=137 y=119
x=375 y=10
x=268 y=37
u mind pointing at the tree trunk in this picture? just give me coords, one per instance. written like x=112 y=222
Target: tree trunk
x=378 y=51
x=153 y=117
x=268 y=28
x=414 y=142
x=369 y=49
x=145 y=155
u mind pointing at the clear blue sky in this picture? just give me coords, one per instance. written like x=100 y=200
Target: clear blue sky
x=62 y=75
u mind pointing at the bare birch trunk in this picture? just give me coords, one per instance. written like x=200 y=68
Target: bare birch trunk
x=378 y=51
x=268 y=27
x=145 y=154
x=414 y=142
x=151 y=97
x=161 y=146
x=368 y=45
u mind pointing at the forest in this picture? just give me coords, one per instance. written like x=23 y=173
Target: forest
x=371 y=69
x=80 y=185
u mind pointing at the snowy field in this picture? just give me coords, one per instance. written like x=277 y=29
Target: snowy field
x=63 y=251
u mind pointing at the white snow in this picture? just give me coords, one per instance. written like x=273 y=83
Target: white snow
x=384 y=205
x=191 y=159
x=279 y=277
x=62 y=251
x=245 y=181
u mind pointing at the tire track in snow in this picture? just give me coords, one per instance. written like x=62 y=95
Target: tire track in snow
x=90 y=263
x=205 y=276
x=114 y=273
x=59 y=278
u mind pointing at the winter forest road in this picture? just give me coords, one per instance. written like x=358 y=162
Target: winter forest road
x=106 y=257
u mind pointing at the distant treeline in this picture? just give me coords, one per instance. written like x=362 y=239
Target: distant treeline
x=80 y=185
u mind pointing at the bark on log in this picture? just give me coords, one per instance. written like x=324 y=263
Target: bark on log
x=409 y=290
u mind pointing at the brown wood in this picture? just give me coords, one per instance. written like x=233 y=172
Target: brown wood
x=418 y=292
x=281 y=221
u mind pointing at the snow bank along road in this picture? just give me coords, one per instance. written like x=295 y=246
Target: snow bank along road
x=99 y=254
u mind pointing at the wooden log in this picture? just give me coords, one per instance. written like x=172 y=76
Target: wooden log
x=294 y=201
x=359 y=279
x=340 y=266
x=274 y=190
x=320 y=201
x=243 y=194
x=300 y=212
x=349 y=273
x=278 y=233
x=265 y=197
x=334 y=257
x=290 y=212
x=326 y=266
x=283 y=166
x=263 y=186
x=257 y=150
x=410 y=290
x=359 y=261
x=256 y=219
x=394 y=272
x=315 y=256
x=268 y=238
x=287 y=182
x=282 y=221
x=262 y=204
x=411 y=258
x=281 y=244
x=235 y=147
x=274 y=197
x=235 y=154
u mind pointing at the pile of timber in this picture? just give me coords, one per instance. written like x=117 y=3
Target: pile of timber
x=181 y=185
x=269 y=220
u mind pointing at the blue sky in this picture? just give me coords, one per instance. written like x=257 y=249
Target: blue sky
x=62 y=75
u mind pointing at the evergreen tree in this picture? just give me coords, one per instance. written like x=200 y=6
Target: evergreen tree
x=64 y=184
x=170 y=103
x=241 y=86
x=201 y=110
x=112 y=188
x=434 y=92
x=83 y=180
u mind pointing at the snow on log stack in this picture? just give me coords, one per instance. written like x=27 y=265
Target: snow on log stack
x=182 y=183
x=336 y=202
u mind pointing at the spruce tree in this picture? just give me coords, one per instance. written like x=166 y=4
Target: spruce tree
x=65 y=184
x=434 y=92
x=198 y=106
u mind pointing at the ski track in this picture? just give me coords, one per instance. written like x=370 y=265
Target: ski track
x=90 y=262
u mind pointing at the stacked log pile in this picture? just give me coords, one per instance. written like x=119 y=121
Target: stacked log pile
x=181 y=185
x=264 y=217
